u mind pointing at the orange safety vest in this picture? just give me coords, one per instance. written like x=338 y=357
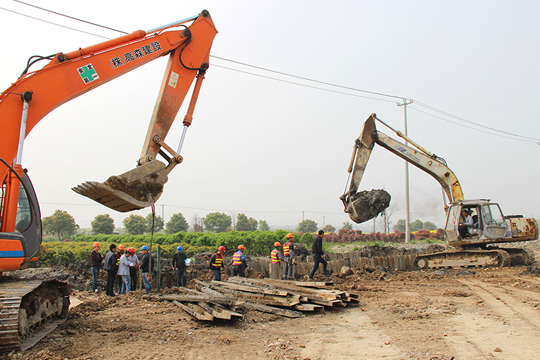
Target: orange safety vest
x=237 y=258
x=217 y=262
x=286 y=247
x=274 y=257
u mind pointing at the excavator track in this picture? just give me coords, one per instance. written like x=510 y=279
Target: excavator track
x=464 y=258
x=26 y=307
x=520 y=256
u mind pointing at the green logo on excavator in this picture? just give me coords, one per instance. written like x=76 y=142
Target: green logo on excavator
x=88 y=73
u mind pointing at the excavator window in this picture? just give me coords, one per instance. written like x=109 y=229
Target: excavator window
x=453 y=219
x=24 y=212
x=492 y=215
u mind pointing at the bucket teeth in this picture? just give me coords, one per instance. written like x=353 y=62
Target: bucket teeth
x=114 y=199
x=133 y=190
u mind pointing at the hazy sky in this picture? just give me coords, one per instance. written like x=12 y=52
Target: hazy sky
x=278 y=151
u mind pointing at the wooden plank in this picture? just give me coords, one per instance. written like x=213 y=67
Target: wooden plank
x=273 y=310
x=270 y=300
x=232 y=313
x=216 y=313
x=329 y=303
x=308 y=307
x=253 y=282
x=199 y=298
x=314 y=284
x=251 y=288
x=206 y=290
x=197 y=312
x=188 y=291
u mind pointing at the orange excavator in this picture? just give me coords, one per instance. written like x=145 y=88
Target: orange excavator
x=26 y=305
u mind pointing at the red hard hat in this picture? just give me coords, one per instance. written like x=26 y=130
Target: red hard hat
x=290 y=235
x=121 y=247
x=96 y=244
x=131 y=250
x=277 y=243
x=241 y=247
x=222 y=248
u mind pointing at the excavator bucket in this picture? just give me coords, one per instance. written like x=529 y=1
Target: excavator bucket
x=365 y=205
x=133 y=190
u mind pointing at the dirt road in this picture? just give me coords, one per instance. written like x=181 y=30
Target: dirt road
x=467 y=314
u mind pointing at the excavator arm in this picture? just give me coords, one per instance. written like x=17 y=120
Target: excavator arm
x=69 y=75
x=419 y=157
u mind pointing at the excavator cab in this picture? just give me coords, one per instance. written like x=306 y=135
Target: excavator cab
x=22 y=245
x=489 y=224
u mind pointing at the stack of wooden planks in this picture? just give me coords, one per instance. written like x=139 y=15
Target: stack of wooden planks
x=225 y=299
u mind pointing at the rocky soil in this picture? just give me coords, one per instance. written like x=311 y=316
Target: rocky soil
x=433 y=315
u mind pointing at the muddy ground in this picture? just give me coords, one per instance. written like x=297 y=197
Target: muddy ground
x=436 y=314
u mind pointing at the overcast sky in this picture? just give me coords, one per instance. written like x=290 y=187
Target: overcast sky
x=278 y=151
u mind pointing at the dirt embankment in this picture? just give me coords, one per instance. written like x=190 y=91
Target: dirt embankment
x=429 y=315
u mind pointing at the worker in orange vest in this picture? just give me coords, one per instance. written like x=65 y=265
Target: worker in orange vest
x=275 y=255
x=288 y=257
x=216 y=263
x=239 y=262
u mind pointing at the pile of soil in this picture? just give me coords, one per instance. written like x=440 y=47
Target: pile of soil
x=365 y=205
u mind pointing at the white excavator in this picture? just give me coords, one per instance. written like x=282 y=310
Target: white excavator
x=470 y=243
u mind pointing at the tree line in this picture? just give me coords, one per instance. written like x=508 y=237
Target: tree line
x=61 y=224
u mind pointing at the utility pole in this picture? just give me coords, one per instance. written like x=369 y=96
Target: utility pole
x=407 y=202
x=163 y=212
x=303 y=215
x=323 y=221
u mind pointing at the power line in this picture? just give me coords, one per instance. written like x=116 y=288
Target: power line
x=431 y=108
x=304 y=85
x=475 y=129
x=470 y=122
x=308 y=79
x=52 y=23
x=69 y=17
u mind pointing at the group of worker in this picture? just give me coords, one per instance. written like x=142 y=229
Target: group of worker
x=122 y=267
x=239 y=264
x=287 y=258
x=122 y=264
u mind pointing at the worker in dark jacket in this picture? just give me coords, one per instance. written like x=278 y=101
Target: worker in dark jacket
x=216 y=263
x=95 y=262
x=112 y=268
x=147 y=268
x=318 y=255
x=179 y=264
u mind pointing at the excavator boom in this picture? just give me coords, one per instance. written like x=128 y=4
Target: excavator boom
x=27 y=304
x=70 y=75
x=419 y=157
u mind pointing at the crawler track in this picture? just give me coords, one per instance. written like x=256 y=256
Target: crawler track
x=464 y=258
x=26 y=306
